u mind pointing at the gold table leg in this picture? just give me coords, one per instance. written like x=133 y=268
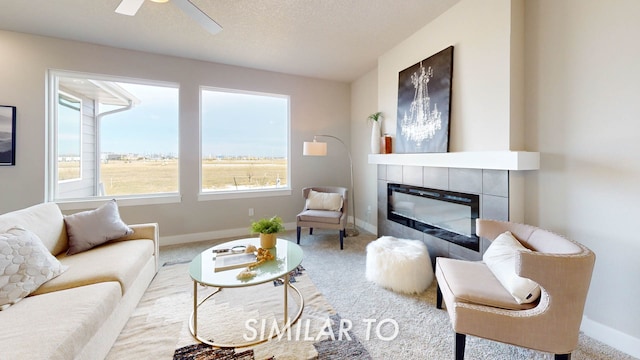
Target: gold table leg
x=193 y=321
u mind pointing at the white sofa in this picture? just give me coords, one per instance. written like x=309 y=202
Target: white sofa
x=80 y=313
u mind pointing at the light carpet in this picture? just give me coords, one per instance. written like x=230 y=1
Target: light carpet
x=424 y=331
x=158 y=328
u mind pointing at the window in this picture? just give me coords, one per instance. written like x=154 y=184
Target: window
x=244 y=142
x=111 y=138
x=69 y=137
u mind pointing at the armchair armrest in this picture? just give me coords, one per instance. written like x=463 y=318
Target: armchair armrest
x=545 y=269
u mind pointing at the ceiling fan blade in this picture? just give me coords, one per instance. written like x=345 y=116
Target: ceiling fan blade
x=198 y=15
x=129 y=7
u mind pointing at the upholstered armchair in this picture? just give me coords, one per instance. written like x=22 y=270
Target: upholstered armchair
x=325 y=207
x=479 y=305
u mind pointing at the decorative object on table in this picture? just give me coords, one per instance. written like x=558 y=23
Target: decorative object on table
x=375 y=120
x=268 y=230
x=318 y=148
x=424 y=105
x=233 y=261
x=7 y=135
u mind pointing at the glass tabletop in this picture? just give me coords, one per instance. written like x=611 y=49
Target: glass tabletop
x=288 y=255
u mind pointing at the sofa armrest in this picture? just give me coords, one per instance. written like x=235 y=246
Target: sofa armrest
x=146 y=231
x=143 y=231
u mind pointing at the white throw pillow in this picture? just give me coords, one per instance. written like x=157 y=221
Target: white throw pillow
x=25 y=264
x=500 y=257
x=88 y=229
x=324 y=201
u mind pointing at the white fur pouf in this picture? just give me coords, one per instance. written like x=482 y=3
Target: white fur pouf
x=402 y=265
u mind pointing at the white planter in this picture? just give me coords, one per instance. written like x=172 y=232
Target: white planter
x=375 y=137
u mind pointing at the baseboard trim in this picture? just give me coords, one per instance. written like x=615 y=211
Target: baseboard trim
x=211 y=235
x=612 y=337
x=227 y=233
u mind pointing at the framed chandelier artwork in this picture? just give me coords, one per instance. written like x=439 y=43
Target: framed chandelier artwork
x=424 y=105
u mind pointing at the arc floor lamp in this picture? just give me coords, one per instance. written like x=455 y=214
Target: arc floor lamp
x=319 y=148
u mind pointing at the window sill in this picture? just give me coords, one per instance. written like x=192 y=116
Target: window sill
x=78 y=204
x=245 y=194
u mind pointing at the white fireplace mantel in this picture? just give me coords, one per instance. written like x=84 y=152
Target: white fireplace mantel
x=495 y=160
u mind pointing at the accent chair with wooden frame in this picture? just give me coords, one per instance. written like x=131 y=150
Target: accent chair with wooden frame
x=328 y=216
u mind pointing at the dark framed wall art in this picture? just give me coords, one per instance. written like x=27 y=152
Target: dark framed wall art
x=424 y=105
x=7 y=135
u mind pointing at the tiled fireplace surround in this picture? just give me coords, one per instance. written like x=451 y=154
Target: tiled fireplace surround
x=491 y=185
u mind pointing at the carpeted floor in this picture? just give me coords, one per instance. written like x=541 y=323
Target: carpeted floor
x=373 y=312
x=159 y=327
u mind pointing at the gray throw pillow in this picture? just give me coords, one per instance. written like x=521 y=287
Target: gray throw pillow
x=88 y=229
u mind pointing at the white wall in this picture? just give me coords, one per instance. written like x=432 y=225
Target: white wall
x=317 y=106
x=583 y=115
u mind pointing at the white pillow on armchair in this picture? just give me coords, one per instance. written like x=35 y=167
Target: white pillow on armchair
x=324 y=201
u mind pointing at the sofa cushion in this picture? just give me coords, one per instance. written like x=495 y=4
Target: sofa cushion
x=57 y=325
x=45 y=220
x=501 y=258
x=322 y=216
x=119 y=261
x=88 y=229
x=323 y=201
x=25 y=264
x=473 y=282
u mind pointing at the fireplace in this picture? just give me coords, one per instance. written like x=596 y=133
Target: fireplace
x=447 y=215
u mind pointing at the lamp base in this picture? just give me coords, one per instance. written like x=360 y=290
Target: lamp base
x=352 y=232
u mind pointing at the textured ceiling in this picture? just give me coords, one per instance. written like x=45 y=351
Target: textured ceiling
x=330 y=39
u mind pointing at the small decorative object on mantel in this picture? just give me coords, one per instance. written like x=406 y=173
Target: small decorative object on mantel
x=375 y=120
x=268 y=230
x=386 y=145
x=7 y=135
x=424 y=103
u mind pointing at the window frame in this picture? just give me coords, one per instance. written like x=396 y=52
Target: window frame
x=51 y=147
x=80 y=136
x=245 y=193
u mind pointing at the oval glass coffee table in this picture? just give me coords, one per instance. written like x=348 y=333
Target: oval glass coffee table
x=288 y=255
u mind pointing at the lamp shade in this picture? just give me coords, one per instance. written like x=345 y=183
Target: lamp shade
x=314 y=148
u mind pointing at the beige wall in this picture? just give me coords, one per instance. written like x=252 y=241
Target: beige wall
x=481 y=90
x=317 y=106
x=364 y=102
x=583 y=115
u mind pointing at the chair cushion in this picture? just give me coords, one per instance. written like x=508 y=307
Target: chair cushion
x=323 y=201
x=500 y=257
x=124 y=260
x=321 y=216
x=473 y=282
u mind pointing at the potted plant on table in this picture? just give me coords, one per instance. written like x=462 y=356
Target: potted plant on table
x=268 y=230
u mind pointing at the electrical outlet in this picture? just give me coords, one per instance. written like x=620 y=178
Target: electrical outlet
x=250 y=211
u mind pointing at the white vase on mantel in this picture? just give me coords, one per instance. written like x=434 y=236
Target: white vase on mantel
x=375 y=137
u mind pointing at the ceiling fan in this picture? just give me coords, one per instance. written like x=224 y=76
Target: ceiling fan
x=130 y=7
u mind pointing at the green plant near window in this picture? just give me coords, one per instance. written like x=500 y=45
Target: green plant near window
x=375 y=116
x=267 y=226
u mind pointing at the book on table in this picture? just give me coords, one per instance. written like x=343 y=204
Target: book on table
x=233 y=261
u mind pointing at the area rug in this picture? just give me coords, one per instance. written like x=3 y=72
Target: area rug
x=159 y=327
